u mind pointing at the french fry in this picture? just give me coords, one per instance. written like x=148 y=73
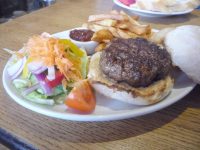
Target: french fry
x=96 y=27
x=125 y=16
x=107 y=22
x=132 y=34
x=114 y=31
x=135 y=18
x=123 y=25
x=106 y=41
x=94 y=18
x=119 y=20
x=100 y=47
x=140 y=30
x=102 y=35
x=116 y=25
x=123 y=34
x=158 y=37
x=133 y=21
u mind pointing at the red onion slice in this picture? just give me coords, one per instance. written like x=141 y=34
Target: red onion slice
x=15 y=70
x=36 y=67
x=41 y=79
x=30 y=89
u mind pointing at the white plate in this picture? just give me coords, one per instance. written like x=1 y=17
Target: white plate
x=106 y=109
x=150 y=13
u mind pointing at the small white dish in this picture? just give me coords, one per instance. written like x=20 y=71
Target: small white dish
x=88 y=46
x=148 y=13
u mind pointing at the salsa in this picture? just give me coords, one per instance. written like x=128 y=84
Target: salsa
x=82 y=35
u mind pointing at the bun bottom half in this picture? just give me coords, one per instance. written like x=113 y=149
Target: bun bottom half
x=154 y=93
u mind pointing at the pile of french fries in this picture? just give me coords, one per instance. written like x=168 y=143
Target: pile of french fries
x=115 y=24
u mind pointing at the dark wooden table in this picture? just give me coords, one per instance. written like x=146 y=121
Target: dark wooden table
x=175 y=127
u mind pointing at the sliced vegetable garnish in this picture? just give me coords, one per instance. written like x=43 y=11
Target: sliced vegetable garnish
x=21 y=83
x=48 y=68
x=61 y=53
x=25 y=70
x=81 y=97
x=73 y=47
x=51 y=73
x=15 y=70
x=36 y=67
x=84 y=65
x=39 y=98
x=57 y=81
x=44 y=86
x=30 y=89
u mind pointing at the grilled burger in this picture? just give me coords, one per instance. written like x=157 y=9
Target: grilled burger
x=132 y=70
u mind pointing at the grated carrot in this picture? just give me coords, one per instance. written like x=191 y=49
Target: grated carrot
x=52 y=52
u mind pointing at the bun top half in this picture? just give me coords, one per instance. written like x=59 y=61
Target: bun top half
x=183 y=43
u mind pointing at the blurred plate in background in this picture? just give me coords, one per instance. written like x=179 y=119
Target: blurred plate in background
x=150 y=13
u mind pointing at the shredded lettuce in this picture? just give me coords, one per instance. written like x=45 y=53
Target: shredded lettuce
x=40 y=91
x=39 y=98
x=33 y=79
x=41 y=101
x=21 y=83
x=58 y=90
x=35 y=95
x=59 y=99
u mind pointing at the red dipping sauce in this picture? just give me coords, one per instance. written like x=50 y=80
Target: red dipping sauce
x=82 y=35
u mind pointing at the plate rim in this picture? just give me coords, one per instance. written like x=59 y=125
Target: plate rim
x=88 y=117
x=152 y=12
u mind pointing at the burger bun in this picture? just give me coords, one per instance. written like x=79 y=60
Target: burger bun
x=183 y=43
x=137 y=96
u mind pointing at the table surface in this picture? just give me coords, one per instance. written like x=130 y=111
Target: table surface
x=175 y=127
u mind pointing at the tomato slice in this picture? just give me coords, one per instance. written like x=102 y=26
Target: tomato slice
x=82 y=97
x=57 y=81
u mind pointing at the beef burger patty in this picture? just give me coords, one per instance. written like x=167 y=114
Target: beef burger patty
x=136 y=62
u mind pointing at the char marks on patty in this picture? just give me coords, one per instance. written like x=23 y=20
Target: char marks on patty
x=136 y=62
